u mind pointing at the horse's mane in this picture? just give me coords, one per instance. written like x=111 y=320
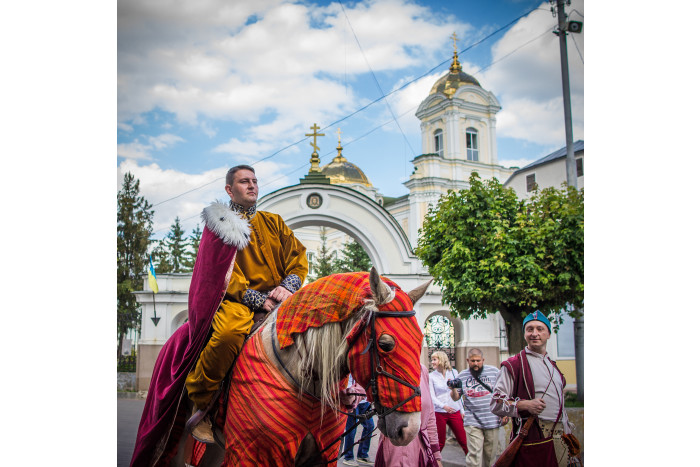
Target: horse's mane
x=322 y=352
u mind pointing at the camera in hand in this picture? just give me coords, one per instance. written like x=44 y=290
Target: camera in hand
x=454 y=383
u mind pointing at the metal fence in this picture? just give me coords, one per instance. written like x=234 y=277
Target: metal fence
x=126 y=363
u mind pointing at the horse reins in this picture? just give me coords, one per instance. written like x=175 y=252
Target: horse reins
x=377 y=370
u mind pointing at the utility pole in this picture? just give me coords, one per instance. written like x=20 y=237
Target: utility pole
x=571 y=178
x=561 y=32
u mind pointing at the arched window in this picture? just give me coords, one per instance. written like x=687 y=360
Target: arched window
x=440 y=335
x=472 y=145
x=438 y=142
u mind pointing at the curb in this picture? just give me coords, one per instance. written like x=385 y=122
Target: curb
x=131 y=394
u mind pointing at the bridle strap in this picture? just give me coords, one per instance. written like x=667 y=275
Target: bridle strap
x=377 y=368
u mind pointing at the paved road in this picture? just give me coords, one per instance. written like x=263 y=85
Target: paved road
x=129 y=413
x=128 y=416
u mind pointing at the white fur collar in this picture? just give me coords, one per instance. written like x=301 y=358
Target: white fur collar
x=226 y=224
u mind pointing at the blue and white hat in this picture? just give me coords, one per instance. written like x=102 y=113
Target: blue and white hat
x=537 y=316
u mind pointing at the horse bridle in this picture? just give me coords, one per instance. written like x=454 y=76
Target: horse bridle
x=377 y=370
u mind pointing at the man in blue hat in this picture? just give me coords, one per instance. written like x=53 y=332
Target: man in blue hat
x=530 y=384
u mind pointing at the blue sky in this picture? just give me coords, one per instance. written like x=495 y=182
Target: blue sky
x=203 y=86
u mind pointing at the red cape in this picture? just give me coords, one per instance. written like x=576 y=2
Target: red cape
x=224 y=233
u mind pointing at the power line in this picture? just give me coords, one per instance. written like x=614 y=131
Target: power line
x=382 y=97
x=376 y=81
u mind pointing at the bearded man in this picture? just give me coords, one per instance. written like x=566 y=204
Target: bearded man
x=480 y=424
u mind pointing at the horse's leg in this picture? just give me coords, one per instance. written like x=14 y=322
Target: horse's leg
x=213 y=456
x=184 y=451
x=308 y=453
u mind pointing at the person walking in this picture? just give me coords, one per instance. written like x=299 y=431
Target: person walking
x=480 y=424
x=530 y=385
x=367 y=427
x=448 y=411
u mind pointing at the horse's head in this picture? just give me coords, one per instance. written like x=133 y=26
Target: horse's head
x=384 y=357
x=361 y=323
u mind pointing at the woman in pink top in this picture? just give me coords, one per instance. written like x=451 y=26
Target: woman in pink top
x=424 y=450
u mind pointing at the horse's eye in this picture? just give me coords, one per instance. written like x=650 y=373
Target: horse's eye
x=386 y=343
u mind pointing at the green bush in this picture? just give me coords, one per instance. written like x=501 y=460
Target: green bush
x=126 y=364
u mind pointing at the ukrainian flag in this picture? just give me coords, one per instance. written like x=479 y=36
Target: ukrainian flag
x=152 y=276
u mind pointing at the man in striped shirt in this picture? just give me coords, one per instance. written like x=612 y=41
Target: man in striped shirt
x=480 y=424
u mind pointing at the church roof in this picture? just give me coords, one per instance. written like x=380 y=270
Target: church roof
x=558 y=154
x=340 y=171
x=453 y=80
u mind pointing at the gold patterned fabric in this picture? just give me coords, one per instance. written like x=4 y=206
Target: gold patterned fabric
x=272 y=255
x=560 y=449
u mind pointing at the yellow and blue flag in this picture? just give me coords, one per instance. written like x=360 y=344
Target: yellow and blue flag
x=152 y=276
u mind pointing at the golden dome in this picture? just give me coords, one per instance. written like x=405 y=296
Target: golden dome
x=341 y=172
x=453 y=80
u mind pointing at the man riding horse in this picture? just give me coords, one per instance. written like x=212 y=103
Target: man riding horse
x=248 y=261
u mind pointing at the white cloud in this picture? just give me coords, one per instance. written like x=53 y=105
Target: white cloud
x=165 y=140
x=528 y=81
x=185 y=195
x=134 y=150
x=204 y=61
x=137 y=150
x=237 y=147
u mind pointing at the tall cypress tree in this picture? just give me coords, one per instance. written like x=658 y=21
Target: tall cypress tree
x=134 y=227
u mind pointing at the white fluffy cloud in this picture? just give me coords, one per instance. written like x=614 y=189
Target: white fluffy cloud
x=139 y=150
x=158 y=185
x=227 y=61
x=528 y=82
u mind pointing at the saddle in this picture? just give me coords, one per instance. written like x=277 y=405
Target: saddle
x=218 y=404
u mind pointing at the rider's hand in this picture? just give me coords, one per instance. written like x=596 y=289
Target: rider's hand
x=269 y=305
x=279 y=294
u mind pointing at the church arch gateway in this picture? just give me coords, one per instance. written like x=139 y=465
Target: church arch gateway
x=353 y=213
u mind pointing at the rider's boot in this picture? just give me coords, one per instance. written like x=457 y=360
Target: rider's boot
x=199 y=426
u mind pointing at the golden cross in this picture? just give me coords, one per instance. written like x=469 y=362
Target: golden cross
x=454 y=40
x=314 y=134
x=338 y=135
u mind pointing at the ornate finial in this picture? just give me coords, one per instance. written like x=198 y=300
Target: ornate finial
x=339 y=157
x=456 y=67
x=315 y=160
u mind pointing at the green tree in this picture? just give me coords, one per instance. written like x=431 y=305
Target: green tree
x=323 y=265
x=353 y=258
x=490 y=251
x=175 y=244
x=160 y=257
x=134 y=227
x=193 y=247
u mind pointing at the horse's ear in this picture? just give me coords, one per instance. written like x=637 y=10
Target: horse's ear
x=382 y=293
x=418 y=292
